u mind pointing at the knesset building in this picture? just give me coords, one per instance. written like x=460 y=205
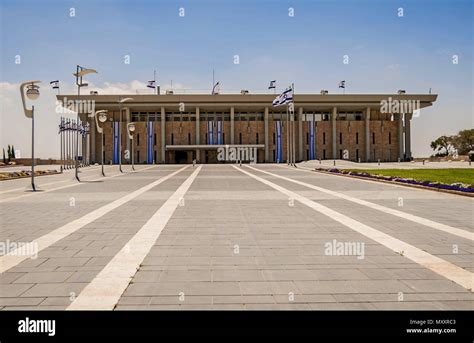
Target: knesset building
x=176 y=128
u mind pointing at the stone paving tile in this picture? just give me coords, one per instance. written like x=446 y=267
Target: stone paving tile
x=281 y=262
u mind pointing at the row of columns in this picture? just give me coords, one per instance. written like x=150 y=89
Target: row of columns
x=403 y=122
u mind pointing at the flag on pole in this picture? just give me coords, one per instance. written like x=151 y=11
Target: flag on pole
x=215 y=89
x=55 y=84
x=151 y=84
x=272 y=84
x=284 y=98
x=342 y=84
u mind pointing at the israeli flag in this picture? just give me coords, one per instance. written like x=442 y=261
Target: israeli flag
x=151 y=84
x=215 y=89
x=284 y=98
x=342 y=84
x=55 y=84
x=272 y=84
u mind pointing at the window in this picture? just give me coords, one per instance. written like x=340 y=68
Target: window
x=154 y=139
x=373 y=137
x=138 y=139
x=154 y=156
x=240 y=138
x=274 y=155
x=223 y=138
x=274 y=140
x=307 y=137
x=138 y=156
x=172 y=139
x=340 y=154
x=324 y=137
x=340 y=138
x=389 y=138
x=324 y=154
x=189 y=138
x=357 y=154
x=357 y=137
x=256 y=138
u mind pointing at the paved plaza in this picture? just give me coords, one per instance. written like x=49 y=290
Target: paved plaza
x=262 y=236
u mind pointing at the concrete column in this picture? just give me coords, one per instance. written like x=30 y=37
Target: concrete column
x=408 y=117
x=163 y=135
x=400 y=136
x=265 y=118
x=198 y=138
x=300 y=134
x=334 y=133
x=232 y=115
x=367 y=135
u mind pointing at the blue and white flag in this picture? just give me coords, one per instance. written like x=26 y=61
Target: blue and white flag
x=272 y=84
x=210 y=132
x=55 y=84
x=215 y=89
x=284 y=98
x=151 y=84
x=150 y=141
x=342 y=84
x=311 y=140
x=219 y=132
x=115 y=131
x=278 y=143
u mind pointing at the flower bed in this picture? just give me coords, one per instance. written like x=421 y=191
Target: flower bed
x=458 y=187
x=24 y=173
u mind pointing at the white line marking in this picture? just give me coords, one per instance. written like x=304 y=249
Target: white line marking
x=444 y=268
x=71 y=185
x=104 y=292
x=49 y=183
x=419 y=220
x=12 y=259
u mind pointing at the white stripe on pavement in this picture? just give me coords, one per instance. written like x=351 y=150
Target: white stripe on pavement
x=49 y=183
x=14 y=257
x=68 y=186
x=444 y=268
x=104 y=292
x=419 y=220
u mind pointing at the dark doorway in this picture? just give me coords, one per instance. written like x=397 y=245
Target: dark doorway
x=181 y=157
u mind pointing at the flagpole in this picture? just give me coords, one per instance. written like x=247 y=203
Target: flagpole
x=287 y=137
x=293 y=152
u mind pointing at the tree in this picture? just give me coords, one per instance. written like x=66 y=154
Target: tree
x=9 y=152
x=13 y=152
x=4 y=158
x=464 y=141
x=443 y=142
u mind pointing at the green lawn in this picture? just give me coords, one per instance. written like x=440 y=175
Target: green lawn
x=447 y=176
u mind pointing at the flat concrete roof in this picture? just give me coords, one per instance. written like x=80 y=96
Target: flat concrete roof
x=254 y=101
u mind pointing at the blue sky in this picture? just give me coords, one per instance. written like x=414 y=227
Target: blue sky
x=386 y=52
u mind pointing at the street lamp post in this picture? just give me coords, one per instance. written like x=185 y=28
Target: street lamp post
x=80 y=72
x=121 y=101
x=101 y=116
x=131 y=131
x=32 y=92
